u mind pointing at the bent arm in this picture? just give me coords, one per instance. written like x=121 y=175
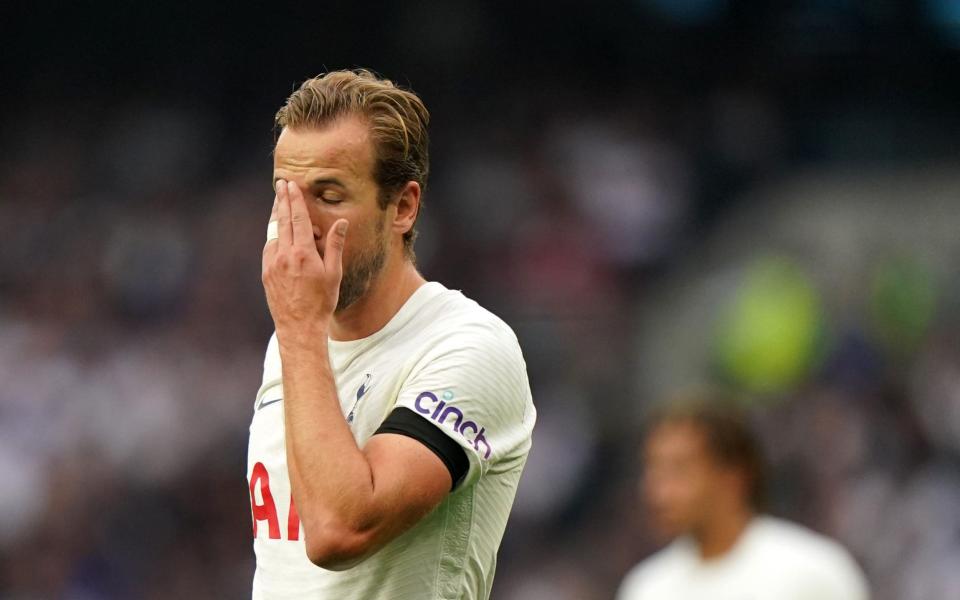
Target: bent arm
x=351 y=501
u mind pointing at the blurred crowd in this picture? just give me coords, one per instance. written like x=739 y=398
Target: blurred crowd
x=640 y=238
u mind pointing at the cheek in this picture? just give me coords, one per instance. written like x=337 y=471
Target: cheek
x=359 y=242
x=660 y=487
x=319 y=217
x=674 y=489
x=701 y=493
x=323 y=216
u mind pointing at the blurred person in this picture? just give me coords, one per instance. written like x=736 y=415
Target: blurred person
x=703 y=486
x=395 y=415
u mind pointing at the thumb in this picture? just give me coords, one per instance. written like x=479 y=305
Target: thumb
x=333 y=251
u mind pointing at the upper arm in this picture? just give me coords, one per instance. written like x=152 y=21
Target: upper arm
x=467 y=394
x=408 y=481
x=473 y=390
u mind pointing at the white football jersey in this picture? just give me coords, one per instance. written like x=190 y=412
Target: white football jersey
x=773 y=560
x=460 y=367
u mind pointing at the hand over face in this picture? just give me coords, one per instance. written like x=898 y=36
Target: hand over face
x=302 y=288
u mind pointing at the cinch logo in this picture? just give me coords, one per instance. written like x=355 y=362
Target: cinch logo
x=427 y=403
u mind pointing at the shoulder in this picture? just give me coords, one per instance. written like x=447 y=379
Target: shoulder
x=471 y=320
x=656 y=571
x=467 y=373
x=779 y=536
x=811 y=555
x=452 y=325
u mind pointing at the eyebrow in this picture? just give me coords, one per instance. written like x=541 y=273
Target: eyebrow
x=318 y=181
x=327 y=181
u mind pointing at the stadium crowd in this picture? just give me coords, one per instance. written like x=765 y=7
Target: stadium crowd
x=640 y=242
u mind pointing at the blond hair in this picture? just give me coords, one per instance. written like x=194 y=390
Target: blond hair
x=397 y=119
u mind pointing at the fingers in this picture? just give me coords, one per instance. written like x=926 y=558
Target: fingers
x=270 y=247
x=301 y=226
x=333 y=248
x=273 y=211
x=273 y=230
x=284 y=227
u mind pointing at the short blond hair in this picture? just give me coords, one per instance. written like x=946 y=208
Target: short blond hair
x=397 y=118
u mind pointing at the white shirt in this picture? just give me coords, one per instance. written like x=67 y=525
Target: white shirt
x=773 y=560
x=459 y=366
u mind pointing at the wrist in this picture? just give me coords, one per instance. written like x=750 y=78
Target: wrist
x=302 y=341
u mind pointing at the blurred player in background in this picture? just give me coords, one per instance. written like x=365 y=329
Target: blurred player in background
x=394 y=416
x=703 y=485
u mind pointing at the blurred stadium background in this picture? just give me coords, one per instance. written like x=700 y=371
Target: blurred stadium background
x=655 y=194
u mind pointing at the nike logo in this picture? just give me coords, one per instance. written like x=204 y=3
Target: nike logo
x=268 y=403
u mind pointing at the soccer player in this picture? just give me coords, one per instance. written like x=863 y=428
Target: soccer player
x=703 y=484
x=394 y=416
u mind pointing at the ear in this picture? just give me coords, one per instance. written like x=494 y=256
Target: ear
x=408 y=208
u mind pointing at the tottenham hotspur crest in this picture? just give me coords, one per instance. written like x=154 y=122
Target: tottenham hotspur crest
x=361 y=391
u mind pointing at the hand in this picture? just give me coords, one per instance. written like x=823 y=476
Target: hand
x=302 y=288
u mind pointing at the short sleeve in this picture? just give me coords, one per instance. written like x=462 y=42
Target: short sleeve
x=472 y=385
x=404 y=421
x=632 y=586
x=833 y=575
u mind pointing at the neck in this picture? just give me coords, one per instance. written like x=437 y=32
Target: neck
x=388 y=292
x=720 y=535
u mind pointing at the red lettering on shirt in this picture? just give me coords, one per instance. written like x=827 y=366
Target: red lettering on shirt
x=267 y=511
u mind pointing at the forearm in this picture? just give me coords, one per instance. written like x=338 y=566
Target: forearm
x=350 y=502
x=332 y=481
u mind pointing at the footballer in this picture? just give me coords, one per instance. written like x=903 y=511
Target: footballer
x=394 y=416
x=703 y=485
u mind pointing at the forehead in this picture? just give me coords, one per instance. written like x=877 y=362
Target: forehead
x=676 y=437
x=343 y=145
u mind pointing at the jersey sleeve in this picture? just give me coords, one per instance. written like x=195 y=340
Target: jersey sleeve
x=631 y=588
x=471 y=385
x=833 y=575
x=404 y=421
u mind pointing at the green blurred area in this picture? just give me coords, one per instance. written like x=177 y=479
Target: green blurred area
x=769 y=336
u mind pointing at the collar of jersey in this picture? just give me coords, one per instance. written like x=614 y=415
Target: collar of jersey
x=421 y=296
